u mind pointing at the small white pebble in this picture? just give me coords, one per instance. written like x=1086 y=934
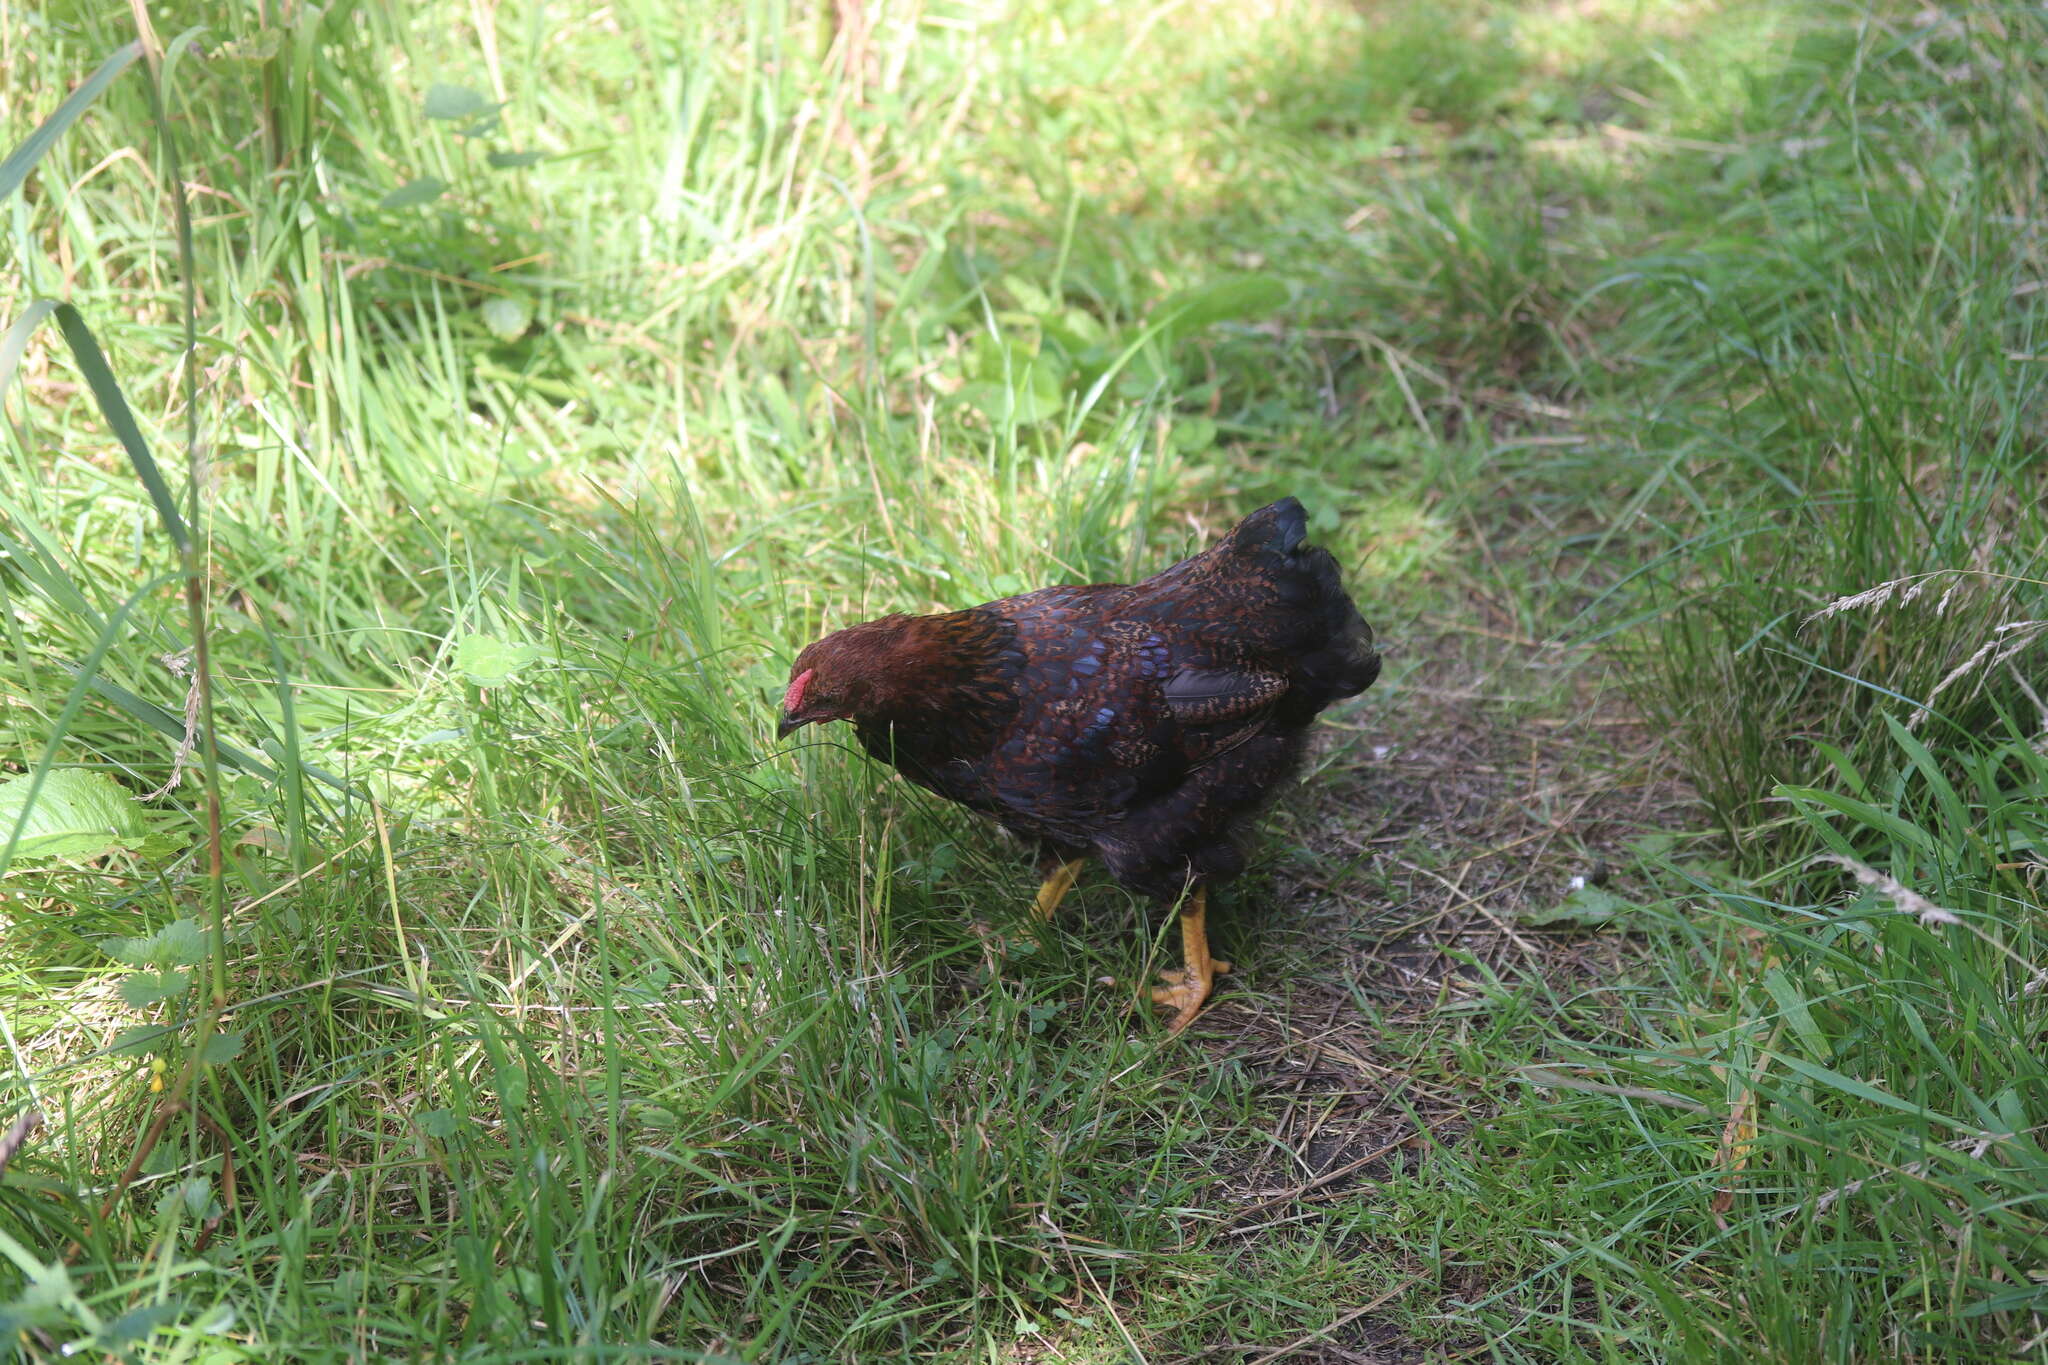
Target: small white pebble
x=1380 y=751
x=1576 y=884
x=1105 y=981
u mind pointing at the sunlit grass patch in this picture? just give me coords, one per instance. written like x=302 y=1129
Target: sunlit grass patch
x=556 y=380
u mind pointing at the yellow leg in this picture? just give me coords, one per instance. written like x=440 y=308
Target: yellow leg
x=1054 y=890
x=1186 y=989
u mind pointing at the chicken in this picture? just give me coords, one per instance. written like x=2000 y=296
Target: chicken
x=1141 y=724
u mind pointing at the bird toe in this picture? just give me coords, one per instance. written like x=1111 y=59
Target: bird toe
x=1184 y=992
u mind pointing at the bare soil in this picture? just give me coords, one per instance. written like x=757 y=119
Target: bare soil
x=1464 y=794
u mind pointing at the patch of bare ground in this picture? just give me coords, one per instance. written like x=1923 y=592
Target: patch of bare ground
x=1358 y=1338
x=1480 y=790
x=1464 y=795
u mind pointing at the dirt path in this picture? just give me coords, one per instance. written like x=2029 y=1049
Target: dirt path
x=1462 y=798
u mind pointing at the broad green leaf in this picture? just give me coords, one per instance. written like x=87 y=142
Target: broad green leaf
x=76 y=813
x=1589 y=907
x=222 y=1047
x=1081 y=335
x=140 y=1038
x=1143 y=374
x=1030 y=297
x=1017 y=385
x=508 y=316
x=177 y=944
x=1084 y=326
x=510 y=1082
x=436 y=1123
x=195 y=1194
x=453 y=102
x=971 y=270
x=513 y=161
x=28 y=1264
x=148 y=988
x=999 y=358
x=138 y=1323
x=1193 y=435
x=48 y=1297
x=1654 y=844
x=488 y=661
x=413 y=193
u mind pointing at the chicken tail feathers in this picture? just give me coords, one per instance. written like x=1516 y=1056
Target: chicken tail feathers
x=1279 y=529
x=1343 y=661
x=1331 y=644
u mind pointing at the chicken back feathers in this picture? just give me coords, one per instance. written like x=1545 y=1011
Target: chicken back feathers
x=1141 y=722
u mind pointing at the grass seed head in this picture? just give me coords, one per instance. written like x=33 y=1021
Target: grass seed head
x=1895 y=891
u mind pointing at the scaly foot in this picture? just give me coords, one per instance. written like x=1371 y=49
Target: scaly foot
x=1186 y=989
x=1054 y=889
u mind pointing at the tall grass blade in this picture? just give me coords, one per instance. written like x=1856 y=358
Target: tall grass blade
x=164 y=721
x=15 y=169
x=106 y=390
x=15 y=340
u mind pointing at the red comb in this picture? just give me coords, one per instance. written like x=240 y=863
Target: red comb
x=794 y=698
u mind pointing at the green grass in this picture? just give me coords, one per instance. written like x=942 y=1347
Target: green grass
x=554 y=1011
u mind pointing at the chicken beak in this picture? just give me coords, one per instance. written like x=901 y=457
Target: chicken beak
x=788 y=726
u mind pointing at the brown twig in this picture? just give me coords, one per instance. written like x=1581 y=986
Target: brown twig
x=1535 y=954
x=165 y=1112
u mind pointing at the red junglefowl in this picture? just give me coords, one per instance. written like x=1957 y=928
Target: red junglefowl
x=1139 y=723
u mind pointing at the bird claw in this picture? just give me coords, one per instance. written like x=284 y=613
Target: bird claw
x=1185 y=991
